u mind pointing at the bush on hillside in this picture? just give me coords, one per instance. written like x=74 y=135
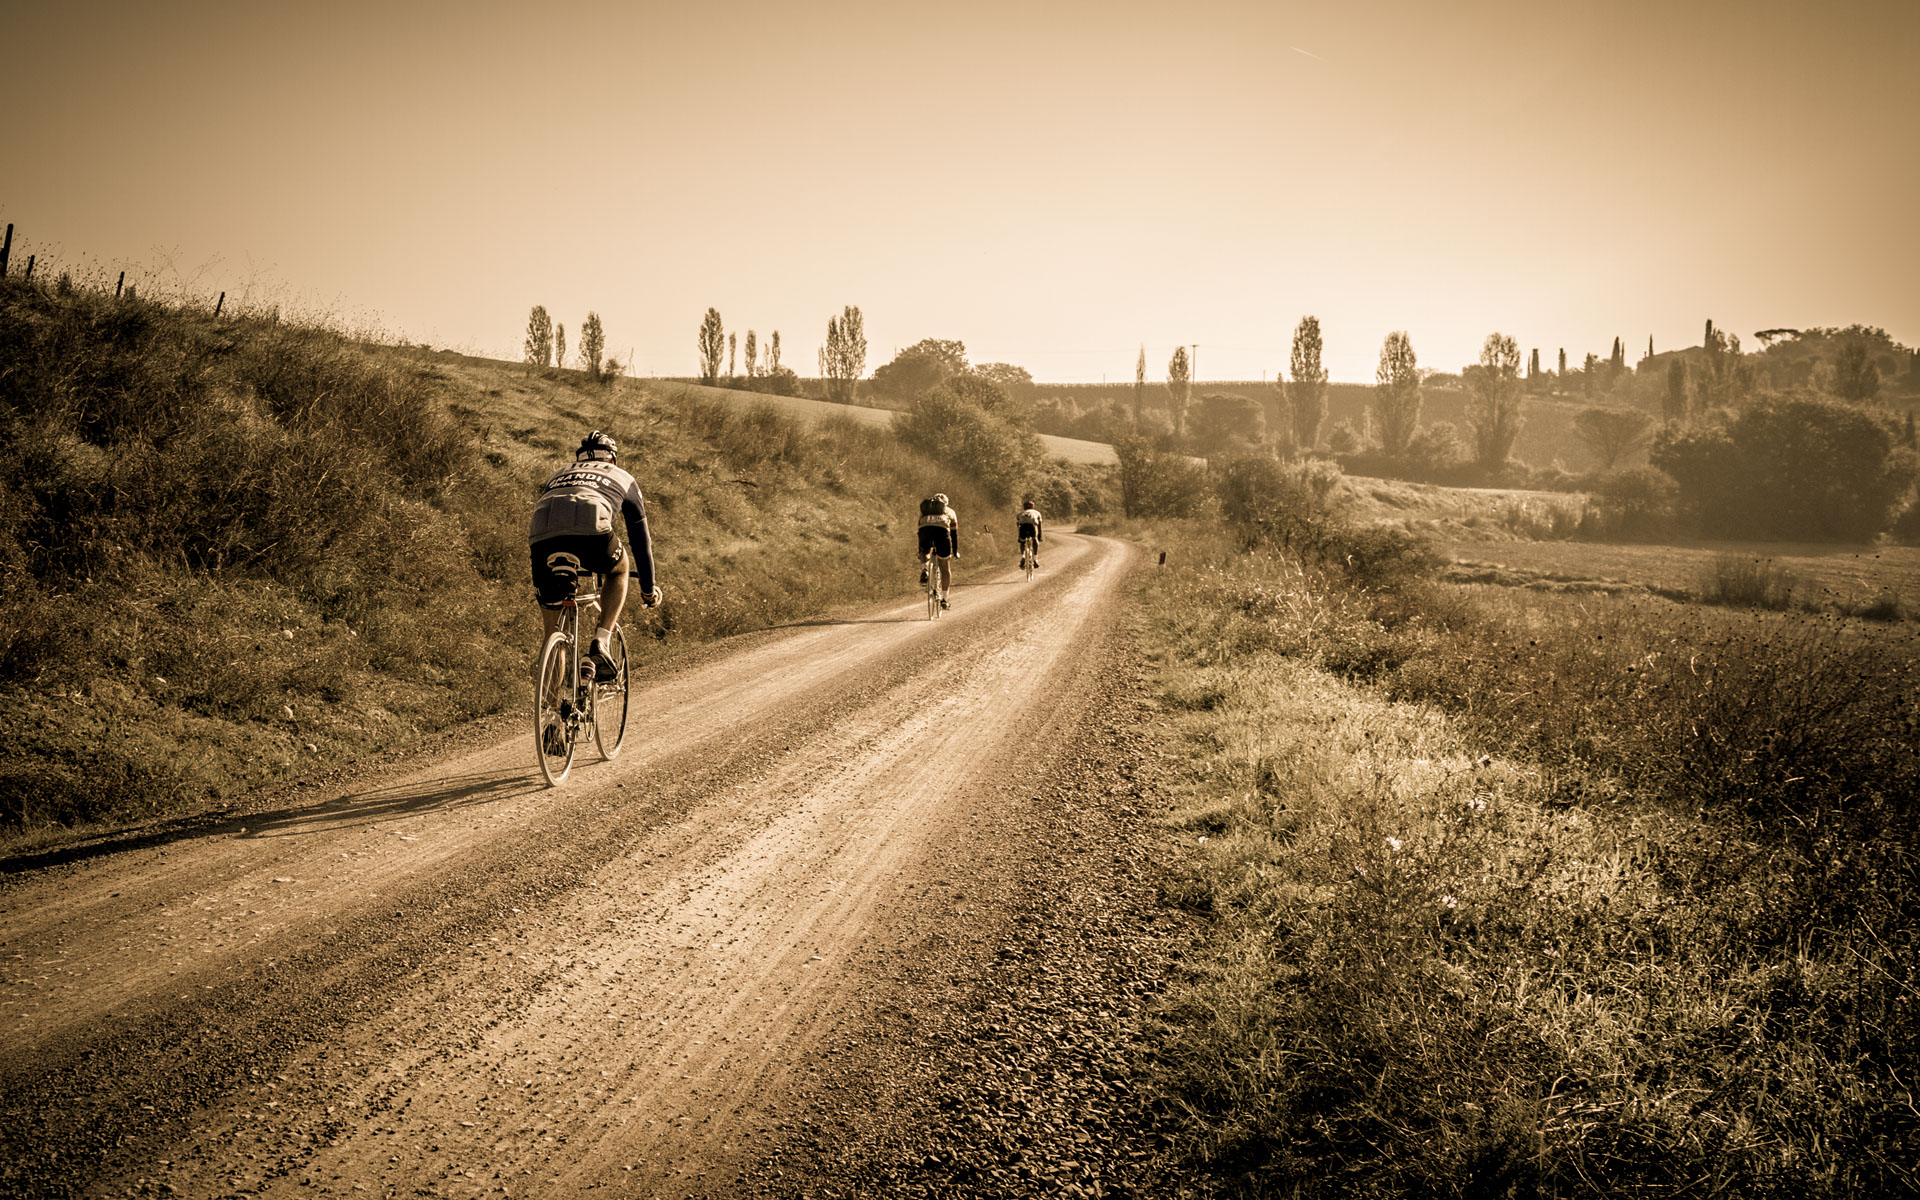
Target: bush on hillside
x=969 y=424
x=1158 y=482
x=1789 y=468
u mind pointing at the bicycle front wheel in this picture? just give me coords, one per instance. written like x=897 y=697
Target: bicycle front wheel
x=553 y=709
x=611 y=697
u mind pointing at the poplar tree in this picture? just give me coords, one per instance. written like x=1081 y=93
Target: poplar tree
x=1396 y=392
x=712 y=342
x=773 y=352
x=731 y=343
x=1140 y=384
x=593 y=340
x=1493 y=413
x=539 y=338
x=560 y=346
x=753 y=362
x=1179 y=388
x=1307 y=390
x=843 y=360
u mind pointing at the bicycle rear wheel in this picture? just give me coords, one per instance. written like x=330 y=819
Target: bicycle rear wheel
x=610 y=699
x=554 y=693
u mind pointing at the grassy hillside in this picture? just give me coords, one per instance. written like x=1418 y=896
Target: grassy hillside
x=235 y=550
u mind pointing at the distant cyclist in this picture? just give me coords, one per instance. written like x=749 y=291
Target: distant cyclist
x=939 y=540
x=1030 y=529
x=572 y=534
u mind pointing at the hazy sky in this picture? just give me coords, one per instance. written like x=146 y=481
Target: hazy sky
x=1053 y=184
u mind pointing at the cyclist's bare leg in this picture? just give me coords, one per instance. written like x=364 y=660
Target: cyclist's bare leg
x=946 y=570
x=613 y=596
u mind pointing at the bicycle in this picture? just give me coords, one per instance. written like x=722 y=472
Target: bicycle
x=568 y=699
x=936 y=599
x=1029 y=556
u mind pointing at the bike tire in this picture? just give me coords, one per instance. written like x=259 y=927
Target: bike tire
x=611 y=699
x=554 y=689
x=933 y=604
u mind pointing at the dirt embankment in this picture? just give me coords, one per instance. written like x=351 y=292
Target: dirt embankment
x=868 y=902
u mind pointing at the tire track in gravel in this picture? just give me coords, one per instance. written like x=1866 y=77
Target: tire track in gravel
x=470 y=984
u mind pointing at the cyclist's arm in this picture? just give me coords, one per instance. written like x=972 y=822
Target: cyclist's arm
x=634 y=511
x=954 y=533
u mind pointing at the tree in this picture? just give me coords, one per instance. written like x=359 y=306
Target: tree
x=773 y=352
x=1789 y=468
x=843 y=360
x=1616 y=364
x=539 y=338
x=1493 y=412
x=731 y=347
x=1396 y=393
x=593 y=341
x=1612 y=433
x=919 y=368
x=1179 y=389
x=753 y=356
x=1016 y=382
x=1140 y=384
x=1561 y=375
x=969 y=424
x=1156 y=482
x=1856 y=378
x=1589 y=370
x=560 y=346
x=1227 y=424
x=1679 y=387
x=1307 y=390
x=713 y=340
x=1725 y=378
x=1534 y=381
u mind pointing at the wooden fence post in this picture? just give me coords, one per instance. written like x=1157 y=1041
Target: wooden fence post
x=6 y=249
x=118 y=284
x=30 y=259
x=217 y=303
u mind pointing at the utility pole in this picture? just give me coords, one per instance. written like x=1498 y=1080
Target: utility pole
x=1193 y=361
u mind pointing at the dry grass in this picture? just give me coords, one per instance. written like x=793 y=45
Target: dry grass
x=1861 y=580
x=1521 y=894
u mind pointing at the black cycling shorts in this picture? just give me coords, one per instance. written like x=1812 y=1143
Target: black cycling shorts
x=1030 y=531
x=937 y=538
x=559 y=561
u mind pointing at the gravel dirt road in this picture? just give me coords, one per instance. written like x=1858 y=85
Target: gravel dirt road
x=868 y=906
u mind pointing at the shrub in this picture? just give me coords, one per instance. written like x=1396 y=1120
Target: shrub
x=1636 y=502
x=1743 y=581
x=1906 y=526
x=1155 y=482
x=1789 y=469
x=969 y=424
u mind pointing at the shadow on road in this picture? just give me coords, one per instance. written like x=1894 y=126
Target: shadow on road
x=389 y=803
x=360 y=808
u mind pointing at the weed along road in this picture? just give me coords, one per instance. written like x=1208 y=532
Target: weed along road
x=439 y=977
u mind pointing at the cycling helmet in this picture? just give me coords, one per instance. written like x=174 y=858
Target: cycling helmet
x=597 y=445
x=941 y=497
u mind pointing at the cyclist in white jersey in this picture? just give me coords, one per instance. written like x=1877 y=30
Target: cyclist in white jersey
x=1029 y=525
x=572 y=534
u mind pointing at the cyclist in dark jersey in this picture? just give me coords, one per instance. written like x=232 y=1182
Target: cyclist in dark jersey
x=1029 y=525
x=940 y=539
x=572 y=534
